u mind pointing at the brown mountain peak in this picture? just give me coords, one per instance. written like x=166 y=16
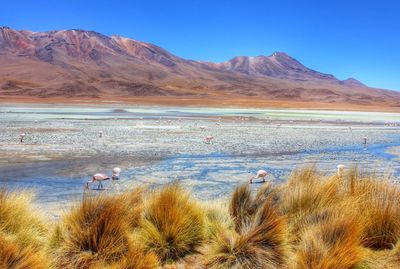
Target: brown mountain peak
x=87 y=63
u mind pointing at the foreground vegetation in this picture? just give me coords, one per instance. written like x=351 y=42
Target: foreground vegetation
x=310 y=221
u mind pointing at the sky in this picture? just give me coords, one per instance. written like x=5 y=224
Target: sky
x=352 y=38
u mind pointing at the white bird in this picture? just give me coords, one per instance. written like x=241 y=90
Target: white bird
x=115 y=173
x=260 y=174
x=340 y=169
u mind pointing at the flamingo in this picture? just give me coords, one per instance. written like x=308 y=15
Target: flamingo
x=102 y=177
x=21 y=137
x=115 y=173
x=98 y=177
x=209 y=138
x=340 y=169
x=260 y=174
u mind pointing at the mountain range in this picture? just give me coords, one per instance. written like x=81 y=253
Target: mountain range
x=87 y=65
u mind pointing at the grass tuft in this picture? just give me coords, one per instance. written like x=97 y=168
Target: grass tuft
x=262 y=244
x=379 y=202
x=20 y=220
x=97 y=233
x=15 y=255
x=173 y=224
x=23 y=232
x=347 y=221
x=241 y=207
x=331 y=240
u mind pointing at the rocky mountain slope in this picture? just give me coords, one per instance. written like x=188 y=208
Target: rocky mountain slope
x=87 y=64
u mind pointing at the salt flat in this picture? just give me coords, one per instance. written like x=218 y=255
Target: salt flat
x=62 y=147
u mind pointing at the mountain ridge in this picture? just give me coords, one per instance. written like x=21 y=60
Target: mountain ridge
x=80 y=63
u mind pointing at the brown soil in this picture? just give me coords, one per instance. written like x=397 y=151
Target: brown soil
x=239 y=102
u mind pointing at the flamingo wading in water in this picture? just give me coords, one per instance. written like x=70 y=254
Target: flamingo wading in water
x=102 y=177
x=260 y=174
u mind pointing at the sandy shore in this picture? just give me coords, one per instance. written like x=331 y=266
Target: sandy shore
x=213 y=102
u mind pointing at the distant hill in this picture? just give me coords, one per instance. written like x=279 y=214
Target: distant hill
x=87 y=64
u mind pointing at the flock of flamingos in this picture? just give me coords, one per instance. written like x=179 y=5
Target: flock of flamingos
x=261 y=174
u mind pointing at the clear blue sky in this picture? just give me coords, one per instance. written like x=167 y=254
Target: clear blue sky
x=358 y=39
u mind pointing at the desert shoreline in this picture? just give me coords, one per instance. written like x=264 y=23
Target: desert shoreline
x=249 y=103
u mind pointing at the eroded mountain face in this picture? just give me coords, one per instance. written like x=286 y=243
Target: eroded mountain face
x=69 y=63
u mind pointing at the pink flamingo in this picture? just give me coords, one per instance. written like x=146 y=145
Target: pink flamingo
x=21 y=137
x=209 y=138
x=260 y=174
x=99 y=178
x=102 y=177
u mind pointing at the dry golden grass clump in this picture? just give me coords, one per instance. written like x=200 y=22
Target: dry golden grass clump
x=260 y=243
x=92 y=234
x=173 y=224
x=98 y=234
x=307 y=194
x=379 y=200
x=18 y=219
x=308 y=191
x=259 y=238
x=332 y=241
x=137 y=257
x=23 y=233
x=242 y=207
x=14 y=255
x=330 y=222
x=312 y=221
x=217 y=217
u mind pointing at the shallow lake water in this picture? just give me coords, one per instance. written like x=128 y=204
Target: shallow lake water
x=211 y=171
